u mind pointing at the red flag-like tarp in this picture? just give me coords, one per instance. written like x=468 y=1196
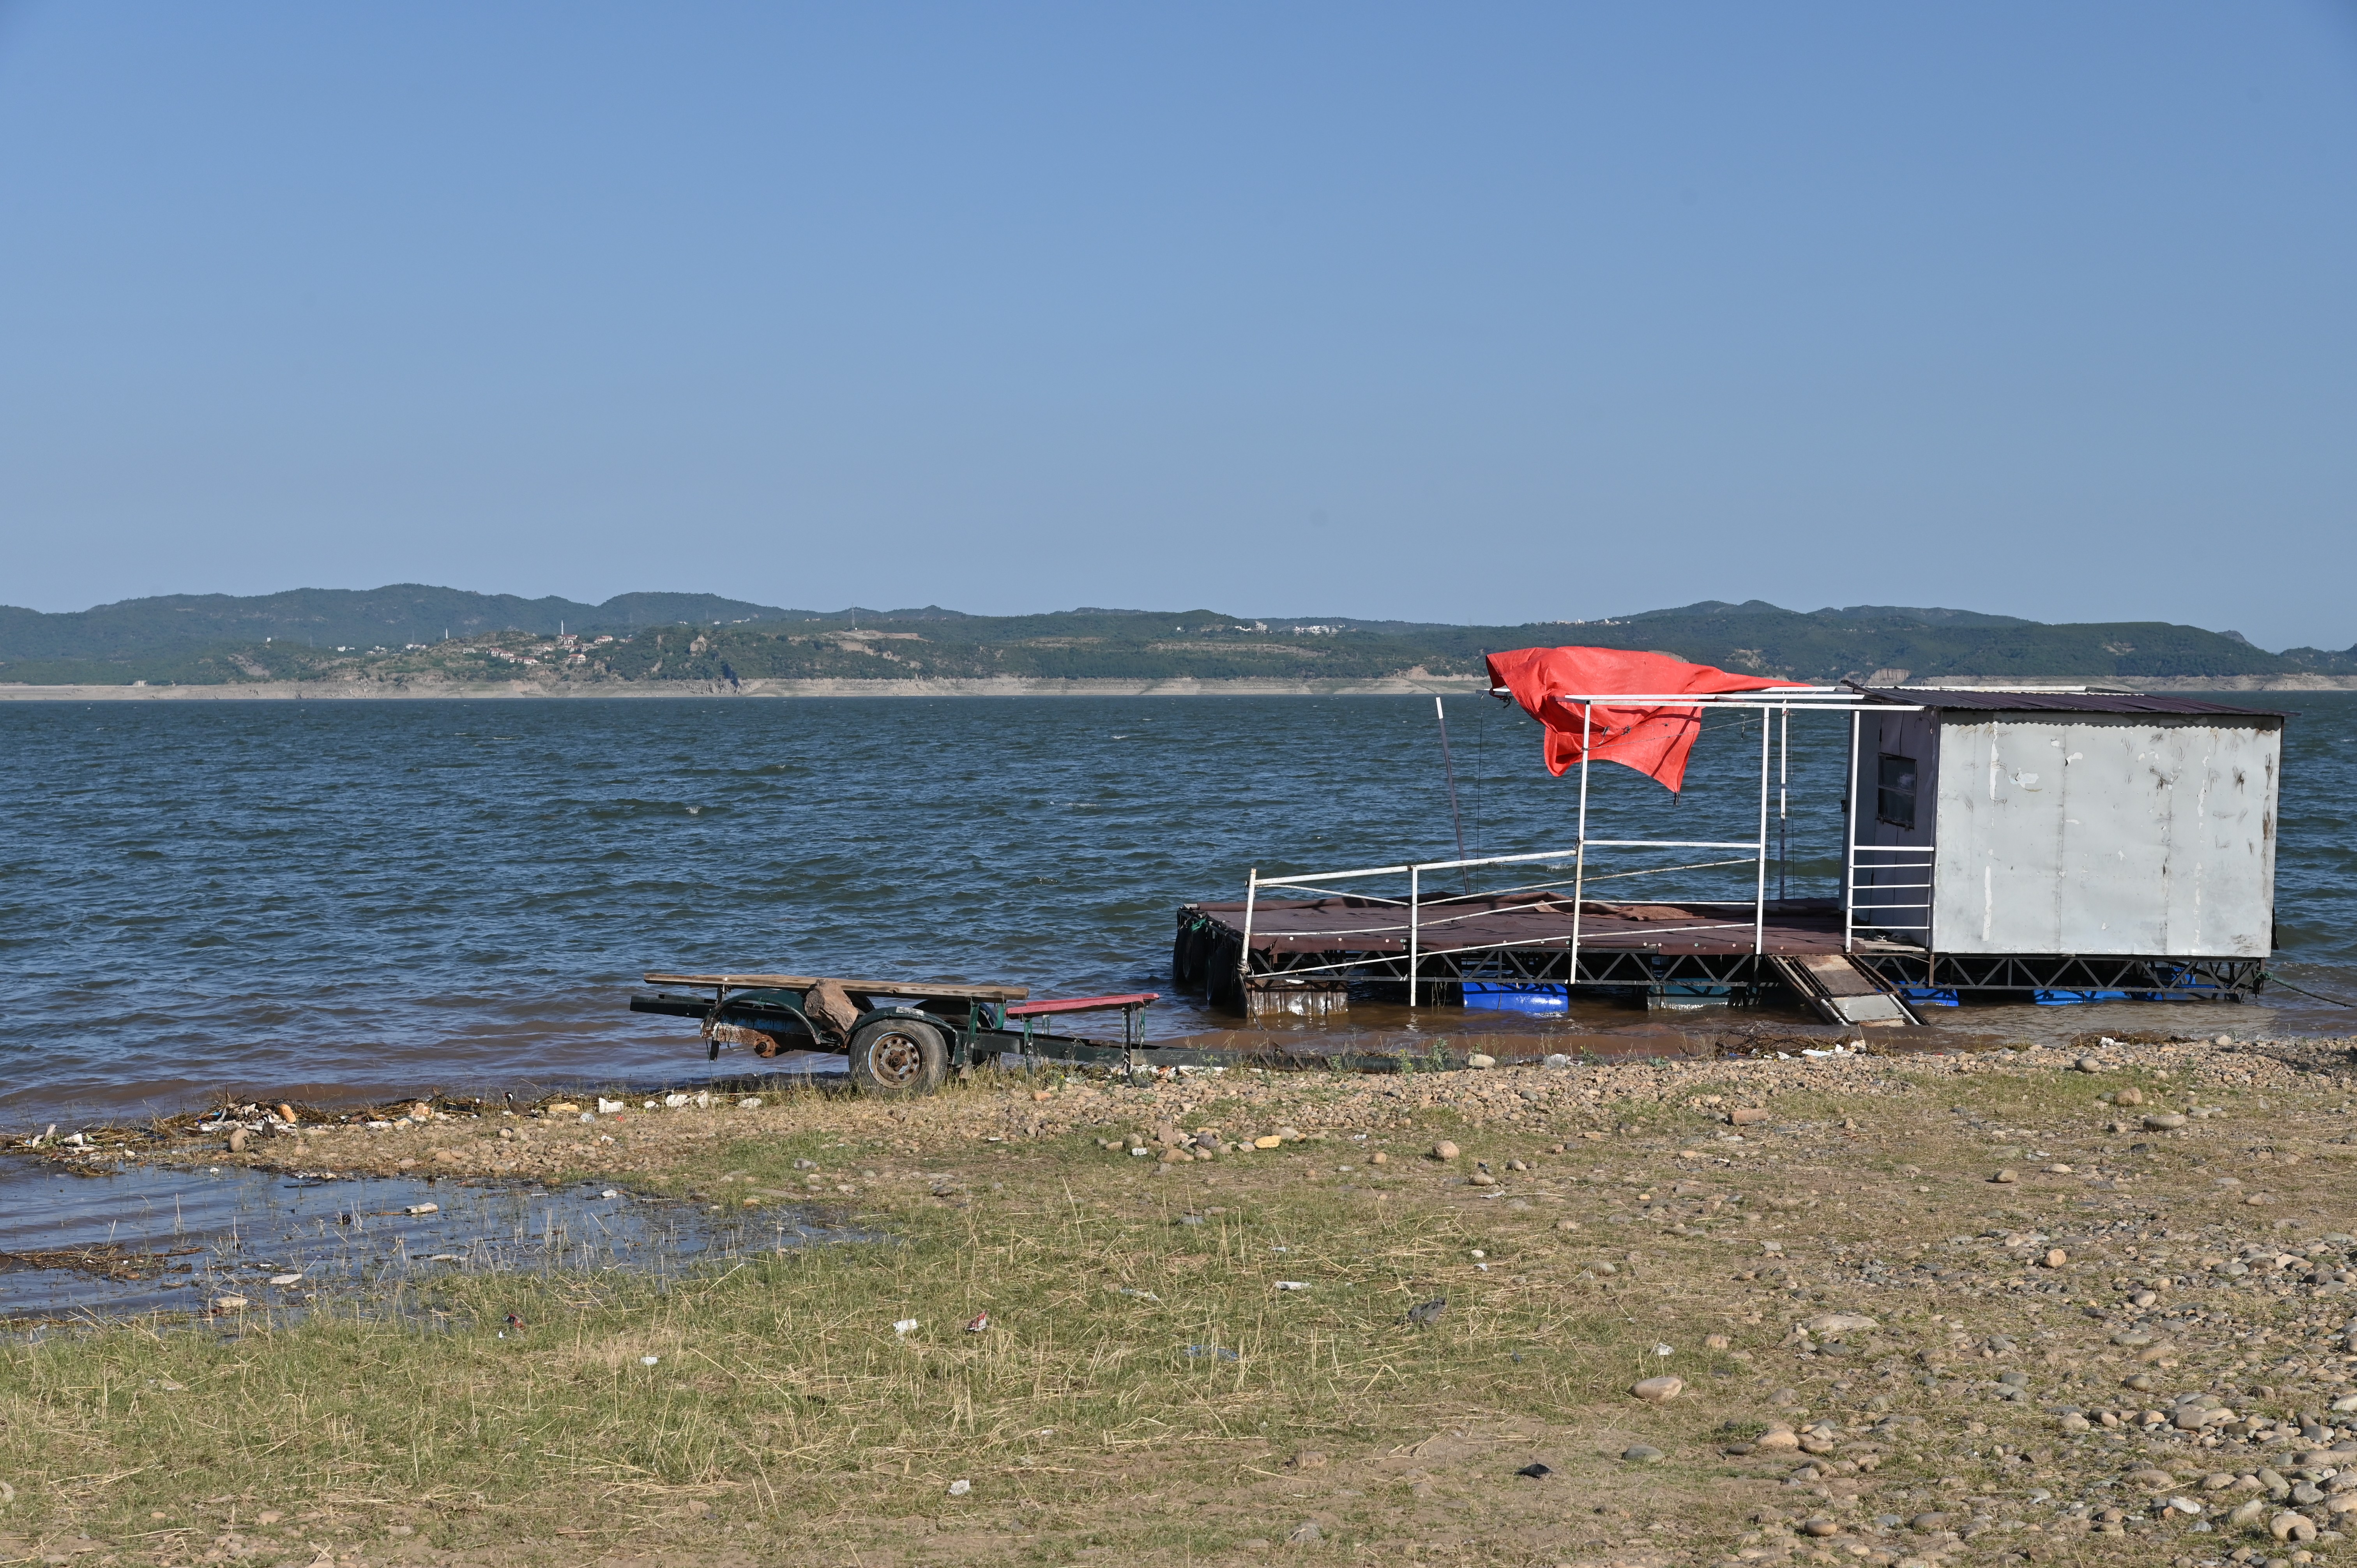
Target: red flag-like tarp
x=1652 y=740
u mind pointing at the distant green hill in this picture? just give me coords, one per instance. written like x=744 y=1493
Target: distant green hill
x=328 y=618
x=1757 y=638
x=415 y=633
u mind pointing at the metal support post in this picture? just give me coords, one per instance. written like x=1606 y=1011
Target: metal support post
x=1414 y=930
x=1243 y=958
x=1580 y=857
x=1759 y=886
x=1849 y=842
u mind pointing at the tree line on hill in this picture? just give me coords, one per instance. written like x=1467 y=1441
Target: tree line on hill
x=412 y=633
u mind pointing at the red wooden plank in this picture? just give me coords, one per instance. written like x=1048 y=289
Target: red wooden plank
x=1082 y=1005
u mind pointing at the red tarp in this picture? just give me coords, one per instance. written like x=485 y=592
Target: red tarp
x=1653 y=741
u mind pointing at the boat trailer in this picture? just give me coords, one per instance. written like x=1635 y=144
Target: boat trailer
x=905 y=1037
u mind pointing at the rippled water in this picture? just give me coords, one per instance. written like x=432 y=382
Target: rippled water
x=317 y=896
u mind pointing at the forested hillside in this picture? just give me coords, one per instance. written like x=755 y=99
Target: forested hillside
x=416 y=634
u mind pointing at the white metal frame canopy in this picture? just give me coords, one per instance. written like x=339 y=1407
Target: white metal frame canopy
x=1778 y=704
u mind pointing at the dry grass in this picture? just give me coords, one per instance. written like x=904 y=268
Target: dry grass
x=784 y=1419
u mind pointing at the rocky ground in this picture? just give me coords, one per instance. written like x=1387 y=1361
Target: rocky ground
x=2081 y=1305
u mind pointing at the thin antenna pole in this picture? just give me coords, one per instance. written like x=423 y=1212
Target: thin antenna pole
x=1480 y=776
x=1449 y=763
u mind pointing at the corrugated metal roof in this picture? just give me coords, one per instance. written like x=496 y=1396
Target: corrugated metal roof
x=2061 y=701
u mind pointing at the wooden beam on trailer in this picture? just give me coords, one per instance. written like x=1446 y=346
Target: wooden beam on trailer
x=868 y=987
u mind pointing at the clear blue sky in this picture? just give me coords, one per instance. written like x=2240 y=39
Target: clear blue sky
x=1476 y=313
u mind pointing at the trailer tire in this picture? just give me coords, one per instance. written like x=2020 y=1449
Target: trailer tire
x=898 y=1057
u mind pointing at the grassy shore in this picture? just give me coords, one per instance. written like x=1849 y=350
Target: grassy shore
x=1147 y=1391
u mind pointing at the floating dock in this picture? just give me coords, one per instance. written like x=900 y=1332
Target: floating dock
x=2003 y=845
x=1305 y=955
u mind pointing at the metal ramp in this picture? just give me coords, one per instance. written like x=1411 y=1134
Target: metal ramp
x=1843 y=991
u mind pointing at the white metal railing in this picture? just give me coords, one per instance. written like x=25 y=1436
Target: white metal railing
x=1776 y=706
x=1864 y=904
x=1420 y=921
x=1903 y=857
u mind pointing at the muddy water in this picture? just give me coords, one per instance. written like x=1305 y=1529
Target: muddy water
x=321 y=899
x=146 y=1239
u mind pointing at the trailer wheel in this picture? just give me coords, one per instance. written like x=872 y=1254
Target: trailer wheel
x=898 y=1057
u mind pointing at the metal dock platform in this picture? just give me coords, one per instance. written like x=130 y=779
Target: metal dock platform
x=1305 y=955
x=2006 y=845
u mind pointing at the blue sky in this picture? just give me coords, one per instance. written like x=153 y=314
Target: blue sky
x=1466 y=313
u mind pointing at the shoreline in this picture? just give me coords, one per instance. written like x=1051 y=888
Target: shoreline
x=1825 y=1274
x=337 y=691
x=1260 y=1055
x=1175 y=686
x=566 y=1145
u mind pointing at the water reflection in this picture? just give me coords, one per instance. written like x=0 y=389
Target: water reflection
x=139 y=1239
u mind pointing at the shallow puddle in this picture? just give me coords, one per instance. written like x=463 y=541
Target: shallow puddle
x=141 y=1239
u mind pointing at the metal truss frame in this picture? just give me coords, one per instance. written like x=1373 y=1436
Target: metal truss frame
x=2142 y=978
x=1555 y=962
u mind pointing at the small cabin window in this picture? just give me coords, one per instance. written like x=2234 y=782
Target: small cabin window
x=1894 y=792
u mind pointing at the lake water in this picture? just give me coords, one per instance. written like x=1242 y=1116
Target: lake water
x=323 y=898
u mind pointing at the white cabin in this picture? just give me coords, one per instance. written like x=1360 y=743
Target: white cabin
x=2049 y=824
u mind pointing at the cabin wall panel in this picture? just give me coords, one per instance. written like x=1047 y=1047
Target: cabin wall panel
x=2101 y=833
